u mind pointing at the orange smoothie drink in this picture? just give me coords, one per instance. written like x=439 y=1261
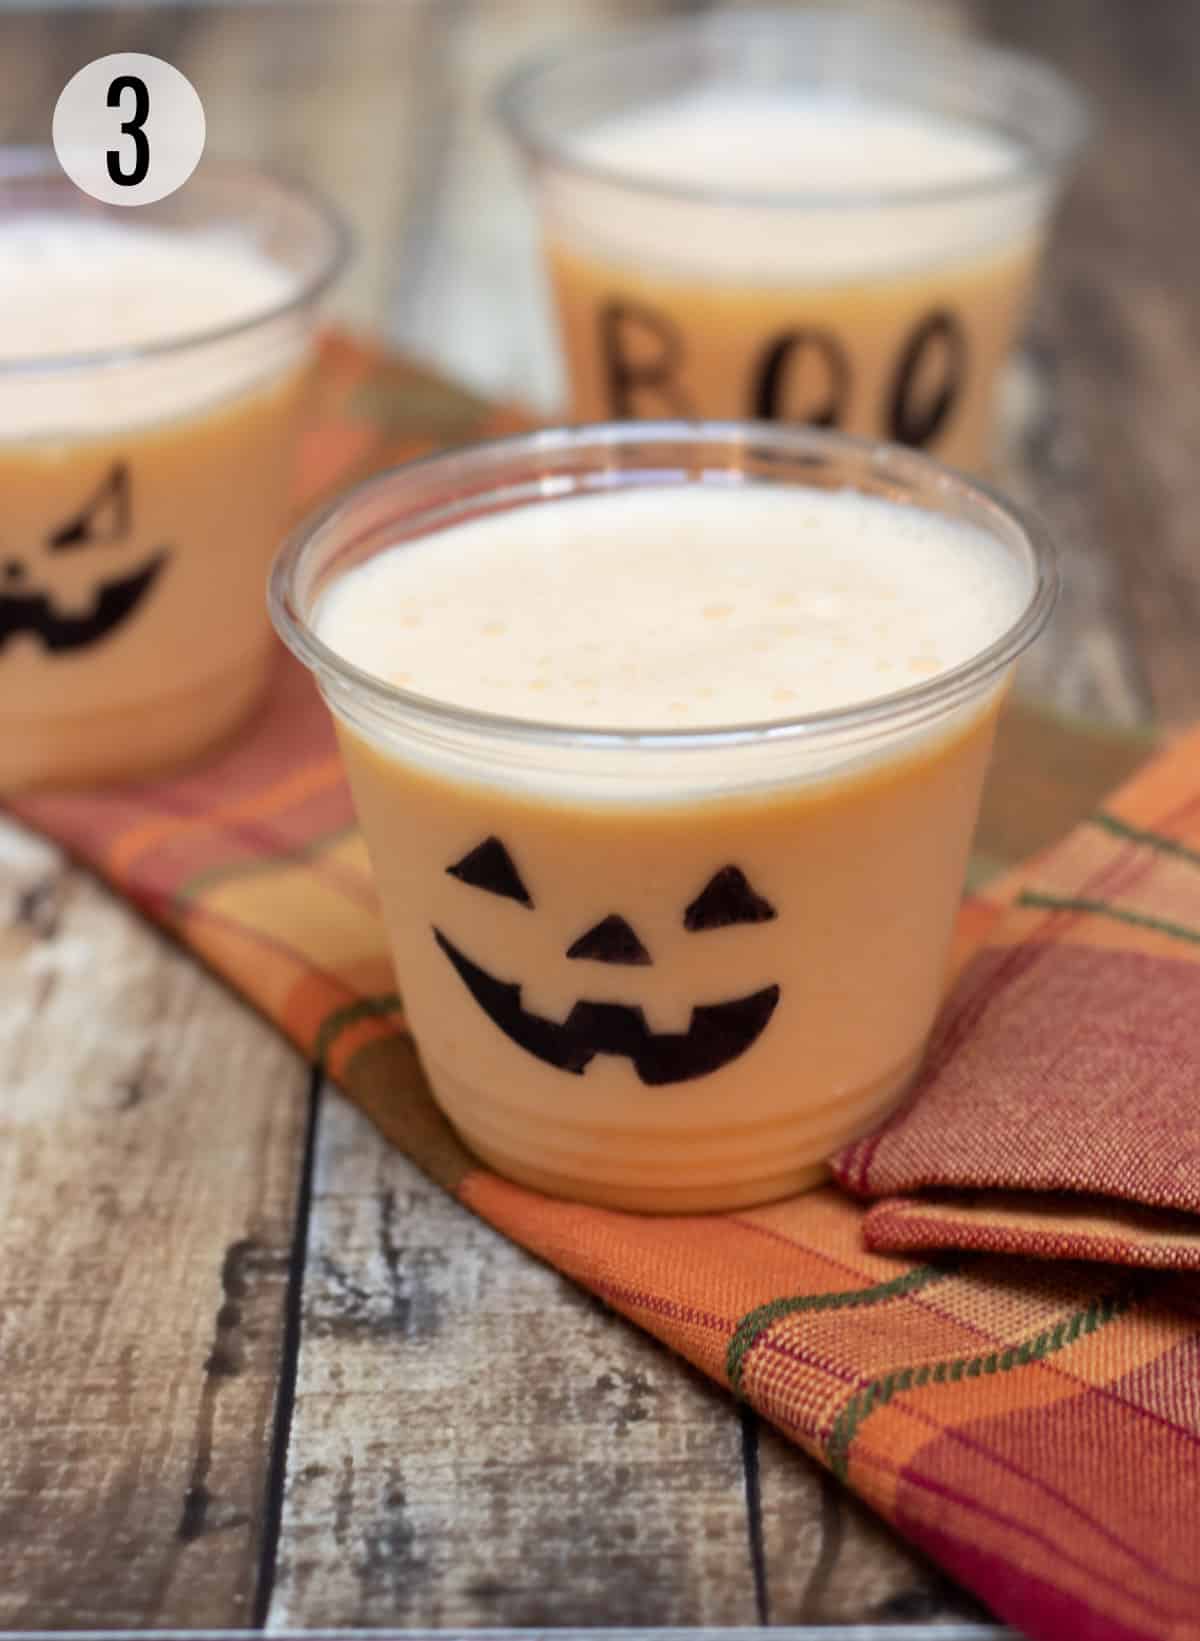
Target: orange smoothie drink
x=800 y=216
x=153 y=373
x=667 y=742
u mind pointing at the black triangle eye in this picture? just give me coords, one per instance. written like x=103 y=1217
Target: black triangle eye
x=727 y=898
x=105 y=516
x=610 y=941
x=489 y=866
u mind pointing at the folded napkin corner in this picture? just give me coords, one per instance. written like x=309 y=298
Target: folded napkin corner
x=1055 y=1114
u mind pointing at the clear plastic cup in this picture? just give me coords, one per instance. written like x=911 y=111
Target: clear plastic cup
x=495 y=840
x=145 y=492
x=881 y=310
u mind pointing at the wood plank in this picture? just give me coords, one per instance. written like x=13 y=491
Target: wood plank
x=829 y=1560
x=968 y=1631
x=150 y=1137
x=1088 y=662
x=1109 y=455
x=475 y=1443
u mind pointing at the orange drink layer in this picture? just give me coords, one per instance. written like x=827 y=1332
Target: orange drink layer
x=622 y=1130
x=153 y=380
x=915 y=358
x=800 y=217
x=667 y=746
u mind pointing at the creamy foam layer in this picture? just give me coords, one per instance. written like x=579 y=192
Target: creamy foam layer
x=688 y=606
x=80 y=286
x=71 y=286
x=765 y=146
x=770 y=143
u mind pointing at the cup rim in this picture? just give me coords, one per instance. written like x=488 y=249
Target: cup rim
x=912 y=472
x=39 y=167
x=512 y=107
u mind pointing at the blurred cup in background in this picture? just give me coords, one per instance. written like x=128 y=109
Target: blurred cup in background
x=153 y=375
x=803 y=216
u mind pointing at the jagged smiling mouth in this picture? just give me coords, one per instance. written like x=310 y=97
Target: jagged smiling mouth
x=115 y=602
x=718 y=1033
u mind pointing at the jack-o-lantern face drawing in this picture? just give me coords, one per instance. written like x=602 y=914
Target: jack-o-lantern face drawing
x=105 y=519
x=717 y=1034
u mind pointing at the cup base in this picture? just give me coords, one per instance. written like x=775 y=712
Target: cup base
x=656 y=1199
x=660 y=1171
x=41 y=752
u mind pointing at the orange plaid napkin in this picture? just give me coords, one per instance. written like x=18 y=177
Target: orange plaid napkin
x=1033 y=1425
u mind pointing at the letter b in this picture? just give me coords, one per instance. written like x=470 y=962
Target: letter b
x=641 y=352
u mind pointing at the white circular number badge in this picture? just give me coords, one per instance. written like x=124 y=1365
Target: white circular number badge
x=129 y=128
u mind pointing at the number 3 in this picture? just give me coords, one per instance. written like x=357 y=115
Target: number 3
x=132 y=127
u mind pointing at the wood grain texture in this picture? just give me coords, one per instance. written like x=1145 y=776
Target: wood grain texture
x=828 y=1560
x=1108 y=450
x=475 y=1443
x=149 y=1137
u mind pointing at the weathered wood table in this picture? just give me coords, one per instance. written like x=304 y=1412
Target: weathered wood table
x=256 y=1371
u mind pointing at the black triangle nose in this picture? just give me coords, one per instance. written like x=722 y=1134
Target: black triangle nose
x=610 y=941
